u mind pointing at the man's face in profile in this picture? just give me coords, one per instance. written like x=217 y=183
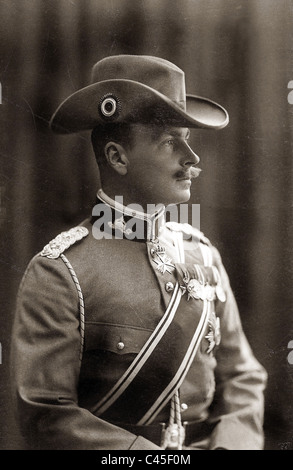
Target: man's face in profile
x=160 y=164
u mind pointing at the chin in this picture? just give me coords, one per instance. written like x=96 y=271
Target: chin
x=183 y=197
x=173 y=196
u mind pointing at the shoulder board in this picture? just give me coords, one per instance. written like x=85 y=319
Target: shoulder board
x=188 y=230
x=63 y=241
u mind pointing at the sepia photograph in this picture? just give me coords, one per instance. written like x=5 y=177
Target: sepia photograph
x=146 y=219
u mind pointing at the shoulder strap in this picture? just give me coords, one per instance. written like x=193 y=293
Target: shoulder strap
x=188 y=229
x=204 y=242
x=63 y=241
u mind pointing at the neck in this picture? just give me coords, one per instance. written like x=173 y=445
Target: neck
x=129 y=195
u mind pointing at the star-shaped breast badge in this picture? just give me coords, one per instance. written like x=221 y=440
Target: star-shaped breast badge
x=164 y=263
x=214 y=334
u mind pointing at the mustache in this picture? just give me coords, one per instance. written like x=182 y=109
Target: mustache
x=192 y=172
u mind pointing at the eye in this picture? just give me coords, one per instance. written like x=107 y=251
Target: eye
x=169 y=142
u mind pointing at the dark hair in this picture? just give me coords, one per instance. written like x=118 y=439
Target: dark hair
x=116 y=132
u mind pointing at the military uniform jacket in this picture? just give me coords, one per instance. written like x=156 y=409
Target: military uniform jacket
x=86 y=307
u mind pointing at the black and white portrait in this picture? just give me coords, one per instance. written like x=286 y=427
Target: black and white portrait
x=146 y=254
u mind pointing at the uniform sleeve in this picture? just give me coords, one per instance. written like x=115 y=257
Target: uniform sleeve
x=45 y=367
x=238 y=406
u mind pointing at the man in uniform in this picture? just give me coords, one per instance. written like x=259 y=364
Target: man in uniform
x=127 y=334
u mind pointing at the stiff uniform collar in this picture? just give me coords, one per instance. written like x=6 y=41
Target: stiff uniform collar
x=134 y=224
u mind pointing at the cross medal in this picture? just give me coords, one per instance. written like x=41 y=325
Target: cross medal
x=163 y=262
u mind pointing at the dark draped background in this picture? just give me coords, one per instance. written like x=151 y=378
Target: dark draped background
x=237 y=52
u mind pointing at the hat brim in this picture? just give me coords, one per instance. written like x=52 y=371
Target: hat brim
x=135 y=103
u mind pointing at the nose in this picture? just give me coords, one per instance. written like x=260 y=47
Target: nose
x=189 y=158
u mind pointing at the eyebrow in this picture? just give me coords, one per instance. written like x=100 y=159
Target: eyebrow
x=176 y=133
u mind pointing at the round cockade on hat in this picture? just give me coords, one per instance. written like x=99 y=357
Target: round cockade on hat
x=109 y=106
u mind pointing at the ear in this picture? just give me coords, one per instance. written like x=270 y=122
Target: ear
x=116 y=157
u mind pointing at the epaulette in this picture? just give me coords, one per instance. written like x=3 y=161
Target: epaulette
x=188 y=230
x=63 y=241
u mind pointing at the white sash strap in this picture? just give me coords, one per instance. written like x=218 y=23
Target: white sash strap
x=142 y=357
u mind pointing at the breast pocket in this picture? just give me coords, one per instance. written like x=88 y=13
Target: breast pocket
x=109 y=350
x=115 y=338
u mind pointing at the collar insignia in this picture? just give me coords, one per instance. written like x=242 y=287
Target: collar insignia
x=119 y=224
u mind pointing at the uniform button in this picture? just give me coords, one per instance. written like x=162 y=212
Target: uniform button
x=169 y=286
x=120 y=345
x=184 y=407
